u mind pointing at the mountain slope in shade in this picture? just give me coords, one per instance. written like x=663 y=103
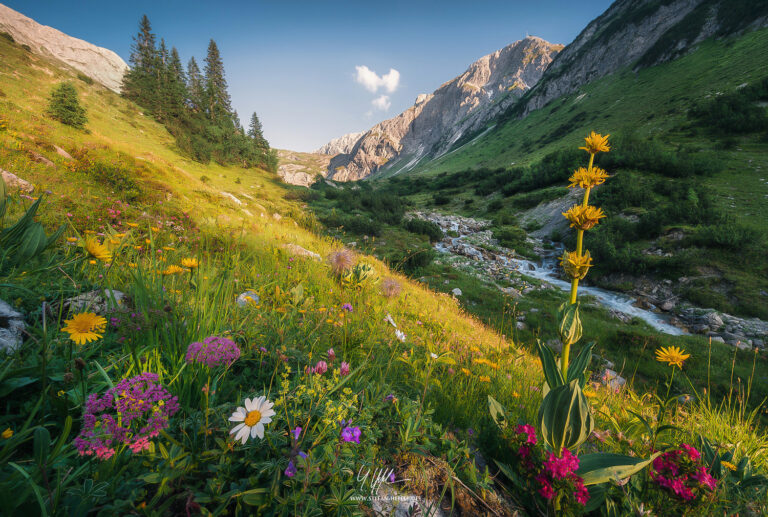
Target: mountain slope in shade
x=101 y=64
x=640 y=33
x=436 y=121
x=340 y=145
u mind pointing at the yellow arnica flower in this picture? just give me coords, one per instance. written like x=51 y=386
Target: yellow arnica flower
x=7 y=433
x=173 y=270
x=85 y=327
x=132 y=225
x=576 y=266
x=484 y=378
x=97 y=250
x=71 y=239
x=727 y=464
x=584 y=217
x=596 y=143
x=190 y=263
x=588 y=178
x=671 y=355
x=466 y=372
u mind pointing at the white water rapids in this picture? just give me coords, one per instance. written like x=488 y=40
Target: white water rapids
x=546 y=270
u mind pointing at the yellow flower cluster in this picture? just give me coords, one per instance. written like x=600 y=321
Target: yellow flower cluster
x=575 y=265
x=584 y=217
x=596 y=143
x=481 y=360
x=588 y=178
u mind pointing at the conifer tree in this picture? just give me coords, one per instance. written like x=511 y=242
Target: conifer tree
x=176 y=90
x=256 y=134
x=218 y=103
x=140 y=82
x=195 y=86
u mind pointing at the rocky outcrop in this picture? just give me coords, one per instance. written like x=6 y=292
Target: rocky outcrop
x=101 y=64
x=436 y=122
x=636 y=33
x=294 y=174
x=341 y=145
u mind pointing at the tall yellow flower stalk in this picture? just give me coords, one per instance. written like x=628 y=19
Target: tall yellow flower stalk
x=583 y=217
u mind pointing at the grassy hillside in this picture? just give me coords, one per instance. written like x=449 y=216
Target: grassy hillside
x=417 y=398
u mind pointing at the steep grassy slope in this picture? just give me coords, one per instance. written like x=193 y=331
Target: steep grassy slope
x=412 y=397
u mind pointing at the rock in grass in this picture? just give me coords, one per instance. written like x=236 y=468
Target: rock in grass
x=247 y=298
x=612 y=379
x=297 y=250
x=11 y=328
x=39 y=158
x=14 y=182
x=61 y=152
x=96 y=301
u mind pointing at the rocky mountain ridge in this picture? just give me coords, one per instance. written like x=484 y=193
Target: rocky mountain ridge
x=638 y=33
x=340 y=145
x=436 y=121
x=100 y=64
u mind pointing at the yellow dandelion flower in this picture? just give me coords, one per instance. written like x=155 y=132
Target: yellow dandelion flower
x=97 y=250
x=588 y=178
x=596 y=143
x=173 y=269
x=147 y=241
x=576 y=266
x=155 y=228
x=466 y=372
x=85 y=327
x=132 y=264
x=672 y=355
x=484 y=378
x=730 y=466
x=71 y=239
x=190 y=263
x=7 y=433
x=119 y=235
x=93 y=262
x=89 y=232
x=169 y=248
x=132 y=225
x=583 y=217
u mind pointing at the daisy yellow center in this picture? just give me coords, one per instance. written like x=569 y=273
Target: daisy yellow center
x=252 y=418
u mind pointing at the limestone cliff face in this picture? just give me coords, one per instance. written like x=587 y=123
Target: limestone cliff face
x=340 y=145
x=437 y=121
x=101 y=64
x=638 y=33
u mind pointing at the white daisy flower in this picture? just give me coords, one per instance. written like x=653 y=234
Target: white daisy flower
x=390 y=320
x=253 y=416
x=400 y=335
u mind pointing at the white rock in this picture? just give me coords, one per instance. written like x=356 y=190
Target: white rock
x=247 y=298
x=612 y=379
x=94 y=301
x=295 y=249
x=11 y=328
x=14 y=182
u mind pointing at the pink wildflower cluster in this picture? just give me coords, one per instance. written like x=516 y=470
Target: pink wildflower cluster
x=681 y=473
x=131 y=413
x=549 y=475
x=213 y=351
x=321 y=367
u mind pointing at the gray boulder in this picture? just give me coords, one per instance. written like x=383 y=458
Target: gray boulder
x=11 y=328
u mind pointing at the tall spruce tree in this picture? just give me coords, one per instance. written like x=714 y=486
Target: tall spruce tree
x=218 y=103
x=176 y=90
x=195 y=86
x=140 y=83
x=256 y=134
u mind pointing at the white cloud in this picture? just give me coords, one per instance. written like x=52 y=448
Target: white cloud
x=372 y=82
x=382 y=103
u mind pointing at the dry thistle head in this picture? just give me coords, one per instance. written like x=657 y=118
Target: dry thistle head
x=584 y=217
x=341 y=261
x=390 y=287
x=588 y=178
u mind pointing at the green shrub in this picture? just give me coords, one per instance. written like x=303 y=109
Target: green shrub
x=440 y=199
x=64 y=106
x=86 y=79
x=421 y=227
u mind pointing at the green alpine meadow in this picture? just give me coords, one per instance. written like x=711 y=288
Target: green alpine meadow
x=414 y=284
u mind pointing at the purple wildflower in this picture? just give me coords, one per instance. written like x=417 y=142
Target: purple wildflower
x=291 y=470
x=213 y=351
x=320 y=368
x=347 y=307
x=351 y=434
x=296 y=433
x=344 y=370
x=331 y=354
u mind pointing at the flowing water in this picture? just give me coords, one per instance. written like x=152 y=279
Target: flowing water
x=546 y=270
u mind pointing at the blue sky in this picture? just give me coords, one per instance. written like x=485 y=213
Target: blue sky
x=294 y=62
